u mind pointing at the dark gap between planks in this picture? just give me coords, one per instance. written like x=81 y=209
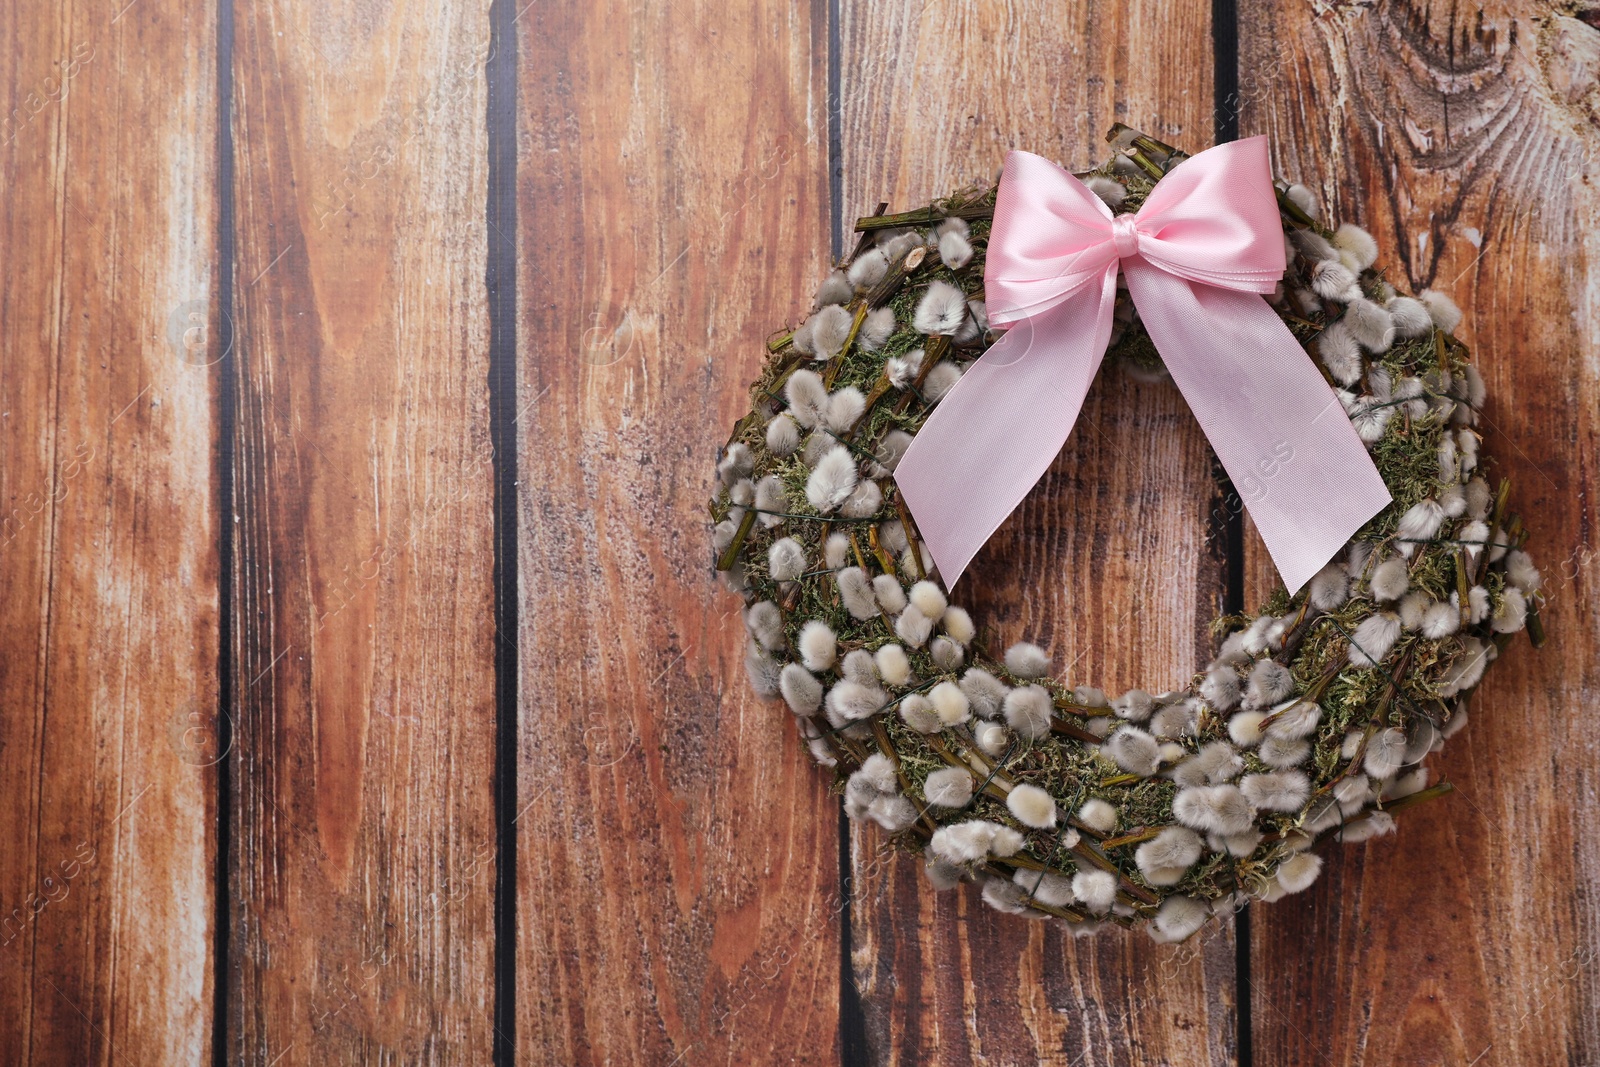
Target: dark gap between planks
x=500 y=70
x=1225 y=112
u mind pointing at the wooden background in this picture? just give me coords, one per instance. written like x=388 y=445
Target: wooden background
x=365 y=693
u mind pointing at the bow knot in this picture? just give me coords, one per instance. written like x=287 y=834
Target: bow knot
x=1198 y=255
x=1125 y=235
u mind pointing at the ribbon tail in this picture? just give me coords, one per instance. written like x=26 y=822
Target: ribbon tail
x=1279 y=430
x=989 y=441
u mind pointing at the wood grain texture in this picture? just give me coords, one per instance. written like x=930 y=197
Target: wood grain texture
x=363 y=829
x=1466 y=140
x=108 y=533
x=1107 y=564
x=678 y=854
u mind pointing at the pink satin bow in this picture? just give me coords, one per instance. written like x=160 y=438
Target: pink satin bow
x=1207 y=242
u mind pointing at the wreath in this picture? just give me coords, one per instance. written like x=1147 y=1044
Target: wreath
x=1310 y=725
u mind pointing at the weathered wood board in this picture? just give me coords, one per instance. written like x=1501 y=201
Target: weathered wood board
x=362 y=870
x=1471 y=937
x=678 y=896
x=109 y=514
x=1108 y=564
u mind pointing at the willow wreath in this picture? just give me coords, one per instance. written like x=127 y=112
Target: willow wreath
x=1310 y=725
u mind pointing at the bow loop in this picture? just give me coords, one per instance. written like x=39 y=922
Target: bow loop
x=1202 y=248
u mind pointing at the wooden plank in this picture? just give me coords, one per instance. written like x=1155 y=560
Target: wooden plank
x=108 y=533
x=678 y=855
x=1462 y=940
x=1106 y=564
x=363 y=865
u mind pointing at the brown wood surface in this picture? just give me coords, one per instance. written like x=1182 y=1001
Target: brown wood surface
x=1471 y=937
x=681 y=891
x=363 y=822
x=678 y=855
x=108 y=534
x=1107 y=564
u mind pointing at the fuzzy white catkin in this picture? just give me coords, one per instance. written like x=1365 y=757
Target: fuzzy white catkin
x=765 y=623
x=807 y=396
x=858 y=666
x=1178 y=918
x=1390 y=580
x=985 y=692
x=928 y=598
x=1411 y=318
x=856 y=593
x=947 y=655
x=913 y=627
x=876 y=329
x=890 y=593
x=958 y=624
x=835 y=289
x=786 y=560
x=801 y=691
x=1440 y=619
x=893 y=664
x=1221 y=689
x=1331 y=279
x=1294 y=720
x=836 y=551
x=868 y=269
x=819 y=648
x=1386 y=750
x=1026 y=660
x=830 y=329
x=1218 y=762
x=772 y=500
x=1134 y=751
x=1446 y=315
x=1297 y=872
x=1413 y=609
x=950 y=787
x=1521 y=572
x=1276 y=791
x=1028 y=711
x=1175 y=846
x=1032 y=806
x=762 y=669
x=1223 y=808
x=1046 y=888
x=834 y=478
x=1512 y=613
x=844 y=408
x=1135 y=705
x=902 y=370
x=1283 y=752
x=955 y=250
x=1340 y=352
x=863 y=502
x=1369 y=324
x=1098 y=815
x=851 y=701
x=1420 y=523
x=1269 y=683
x=1245 y=728
x=1358 y=243
x=917 y=713
x=940 y=380
x=783 y=436
x=890 y=450
x=950 y=703
x=1373 y=639
x=1301 y=197
x=941 y=310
